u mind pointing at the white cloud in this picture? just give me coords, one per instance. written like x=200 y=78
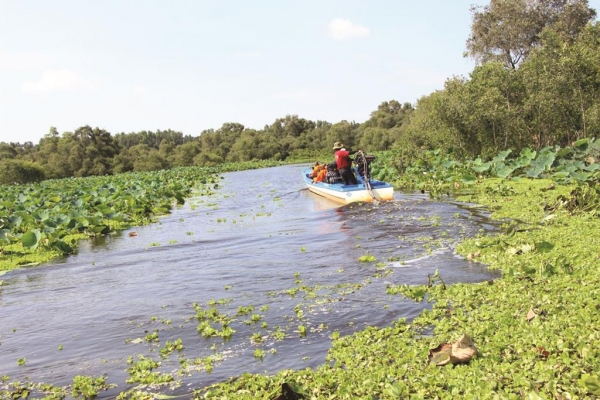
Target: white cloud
x=140 y=89
x=62 y=79
x=342 y=29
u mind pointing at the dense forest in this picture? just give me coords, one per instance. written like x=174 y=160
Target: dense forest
x=536 y=84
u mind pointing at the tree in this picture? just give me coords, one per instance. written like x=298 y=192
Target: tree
x=492 y=117
x=19 y=171
x=426 y=129
x=7 y=151
x=563 y=88
x=147 y=158
x=388 y=115
x=93 y=151
x=184 y=154
x=344 y=132
x=507 y=30
x=123 y=162
x=381 y=130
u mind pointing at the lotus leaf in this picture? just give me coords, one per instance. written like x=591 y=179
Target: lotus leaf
x=502 y=155
x=544 y=247
x=582 y=143
x=581 y=176
x=482 y=167
x=504 y=171
x=31 y=239
x=533 y=172
x=15 y=220
x=592 y=167
x=561 y=174
x=468 y=179
x=63 y=247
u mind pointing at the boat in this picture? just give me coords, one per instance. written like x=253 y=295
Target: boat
x=372 y=190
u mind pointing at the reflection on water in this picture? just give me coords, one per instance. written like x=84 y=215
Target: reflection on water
x=263 y=241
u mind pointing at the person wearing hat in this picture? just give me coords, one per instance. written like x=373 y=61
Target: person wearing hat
x=344 y=163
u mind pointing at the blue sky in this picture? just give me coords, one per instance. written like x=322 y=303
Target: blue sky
x=191 y=65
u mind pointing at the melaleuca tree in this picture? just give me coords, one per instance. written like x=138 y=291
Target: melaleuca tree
x=507 y=31
x=562 y=80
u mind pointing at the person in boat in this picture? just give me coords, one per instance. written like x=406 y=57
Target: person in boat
x=333 y=175
x=316 y=169
x=321 y=174
x=344 y=163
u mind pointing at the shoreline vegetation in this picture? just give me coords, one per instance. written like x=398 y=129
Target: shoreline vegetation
x=533 y=327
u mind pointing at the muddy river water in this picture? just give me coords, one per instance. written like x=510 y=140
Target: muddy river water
x=257 y=242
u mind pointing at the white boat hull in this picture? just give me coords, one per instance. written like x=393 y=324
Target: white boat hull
x=380 y=191
x=352 y=196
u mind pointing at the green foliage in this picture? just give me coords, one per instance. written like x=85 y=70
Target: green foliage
x=46 y=218
x=508 y=30
x=455 y=140
x=551 y=99
x=93 y=151
x=170 y=347
x=519 y=322
x=438 y=173
x=19 y=171
x=88 y=387
x=367 y=258
x=143 y=371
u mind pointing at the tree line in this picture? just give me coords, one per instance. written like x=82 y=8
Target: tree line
x=93 y=151
x=536 y=84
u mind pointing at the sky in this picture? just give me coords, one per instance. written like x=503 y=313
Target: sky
x=192 y=65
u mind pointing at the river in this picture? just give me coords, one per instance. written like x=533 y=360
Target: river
x=264 y=241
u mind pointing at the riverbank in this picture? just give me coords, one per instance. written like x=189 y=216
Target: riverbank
x=533 y=327
x=44 y=221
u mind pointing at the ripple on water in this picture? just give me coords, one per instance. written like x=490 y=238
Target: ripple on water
x=246 y=245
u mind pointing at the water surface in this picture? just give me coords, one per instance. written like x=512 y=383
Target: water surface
x=261 y=236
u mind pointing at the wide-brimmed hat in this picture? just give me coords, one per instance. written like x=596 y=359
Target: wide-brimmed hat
x=337 y=146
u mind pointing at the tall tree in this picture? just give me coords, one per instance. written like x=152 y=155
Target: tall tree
x=507 y=30
x=563 y=88
x=96 y=150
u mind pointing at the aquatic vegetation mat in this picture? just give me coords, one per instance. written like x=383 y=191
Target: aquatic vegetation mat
x=533 y=329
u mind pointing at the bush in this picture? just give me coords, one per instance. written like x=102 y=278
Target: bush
x=19 y=171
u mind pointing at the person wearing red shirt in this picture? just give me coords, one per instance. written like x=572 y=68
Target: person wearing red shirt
x=344 y=163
